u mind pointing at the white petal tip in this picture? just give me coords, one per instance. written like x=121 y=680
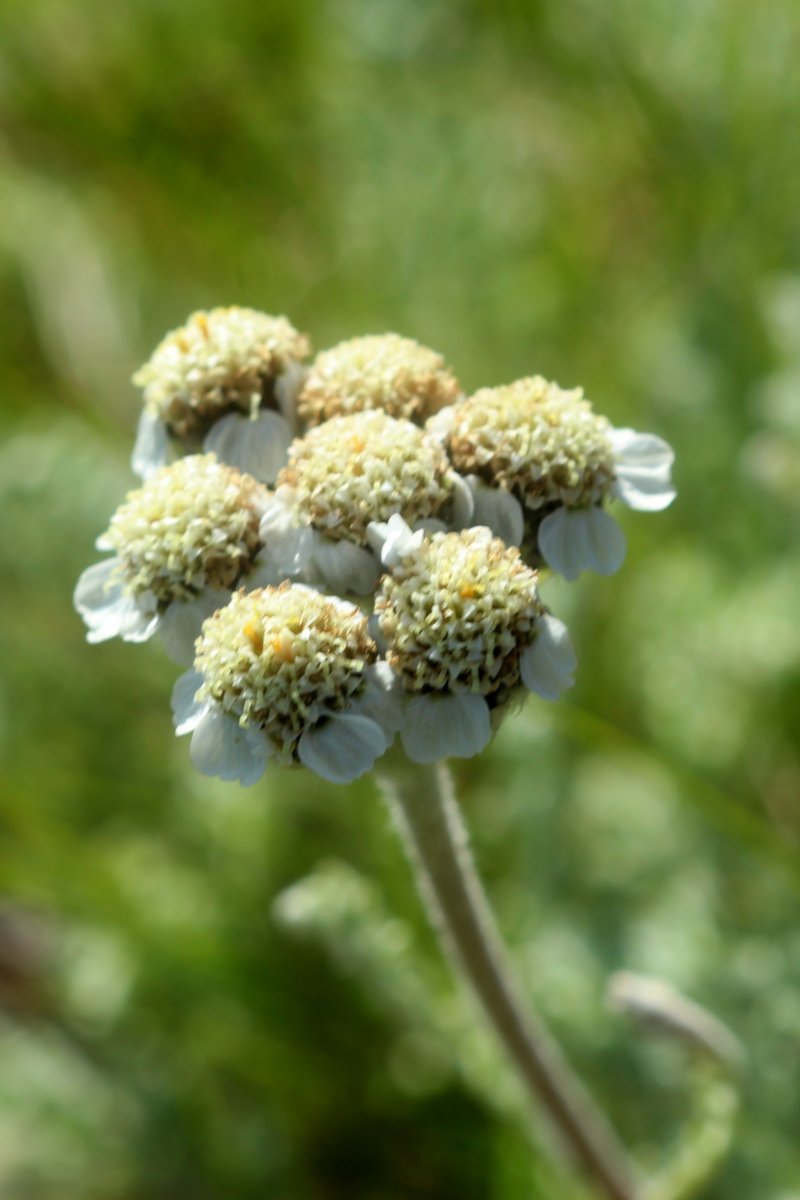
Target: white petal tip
x=342 y=747
x=449 y=725
x=152 y=447
x=643 y=464
x=547 y=666
x=585 y=539
x=221 y=747
x=258 y=445
x=394 y=540
x=498 y=510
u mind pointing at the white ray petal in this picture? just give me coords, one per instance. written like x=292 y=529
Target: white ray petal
x=288 y=546
x=107 y=608
x=394 y=540
x=498 y=510
x=383 y=699
x=462 y=504
x=341 y=747
x=287 y=389
x=429 y=526
x=548 y=664
x=181 y=622
x=344 y=567
x=581 y=539
x=643 y=464
x=450 y=725
x=263 y=573
x=186 y=708
x=152 y=447
x=98 y=586
x=441 y=423
x=221 y=747
x=258 y=445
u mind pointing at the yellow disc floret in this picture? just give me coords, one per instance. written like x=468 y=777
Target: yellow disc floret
x=353 y=470
x=386 y=371
x=536 y=440
x=457 y=614
x=222 y=361
x=192 y=525
x=280 y=658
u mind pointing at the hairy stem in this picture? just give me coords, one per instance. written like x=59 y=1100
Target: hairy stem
x=427 y=815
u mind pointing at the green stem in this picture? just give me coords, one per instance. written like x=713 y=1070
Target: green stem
x=706 y=1138
x=427 y=815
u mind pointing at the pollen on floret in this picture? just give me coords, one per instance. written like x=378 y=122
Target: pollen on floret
x=308 y=659
x=540 y=442
x=469 y=591
x=283 y=647
x=458 y=614
x=388 y=372
x=223 y=361
x=255 y=636
x=361 y=468
x=192 y=525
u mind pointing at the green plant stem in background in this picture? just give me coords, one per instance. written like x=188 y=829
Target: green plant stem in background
x=706 y=1139
x=716 y=1057
x=425 y=810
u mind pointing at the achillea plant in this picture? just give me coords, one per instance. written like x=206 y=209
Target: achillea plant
x=346 y=552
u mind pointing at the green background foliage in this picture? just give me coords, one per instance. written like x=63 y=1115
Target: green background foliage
x=209 y=992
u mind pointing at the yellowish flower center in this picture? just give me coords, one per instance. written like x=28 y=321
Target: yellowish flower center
x=543 y=444
x=457 y=615
x=386 y=372
x=222 y=361
x=192 y=525
x=362 y=468
x=281 y=658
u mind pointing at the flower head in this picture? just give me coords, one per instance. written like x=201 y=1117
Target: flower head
x=286 y=673
x=182 y=542
x=541 y=463
x=386 y=372
x=225 y=381
x=342 y=476
x=463 y=628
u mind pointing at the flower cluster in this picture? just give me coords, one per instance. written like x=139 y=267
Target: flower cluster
x=346 y=550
